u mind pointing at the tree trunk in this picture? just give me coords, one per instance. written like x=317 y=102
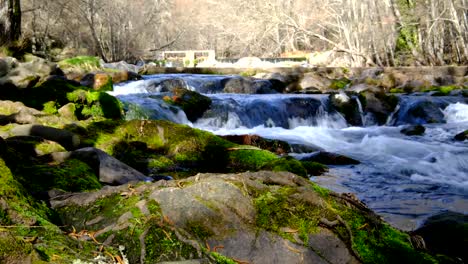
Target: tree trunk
x=10 y=21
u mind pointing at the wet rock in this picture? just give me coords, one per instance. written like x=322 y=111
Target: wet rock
x=330 y=159
x=462 y=136
x=379 y=104
x=447 y=234
x=241 y=85
x=97 y=81
x=414 y=130
x=347 y=106
x=166 y=85
x=275 y=146
x=109 y=169
x=193 y=103
x=420 y=111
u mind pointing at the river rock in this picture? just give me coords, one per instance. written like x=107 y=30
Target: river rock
x=109 y=169
x=347 y=106
x=275 y=146
x=462 y=136
x=97 y=81
x=420 y=111
x=414 y=130
x=379 y=104
x=28 y=74
x=314 y=82
x=330 y=158
x=193 y=103
x=68 y=140
x=249 y=217
x=241 y=85
x=447 y=234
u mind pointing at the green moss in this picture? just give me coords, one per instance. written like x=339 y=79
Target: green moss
x=72 y=175
x=382 y=243
x=221 y=259
x=443 y=90
x=286 y=164
x=50 y=108
x=314 y=168
x=248 y=73
x=276 y=210
x=83 y=62
x=249 y=159
x=339 y=84
x=397 y=90
x=198 y=230
x=90 y=104
x=323 y=192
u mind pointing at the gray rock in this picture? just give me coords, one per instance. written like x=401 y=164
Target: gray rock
x=67 y=139
x=109 y=169
x=3 y=67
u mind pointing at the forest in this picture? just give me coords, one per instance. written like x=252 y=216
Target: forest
x=363 y=32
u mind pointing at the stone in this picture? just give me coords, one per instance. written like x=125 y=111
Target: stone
x=275 y=146
x=68 y=111
x=330 y=159
x=447 y=234
x=414 y=130
x=97 y=81
x=462 y=136
x=109 y=169
x=68 y=140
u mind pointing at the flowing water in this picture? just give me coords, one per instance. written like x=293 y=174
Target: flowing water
x=403 y=178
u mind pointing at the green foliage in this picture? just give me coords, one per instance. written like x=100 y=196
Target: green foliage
x=249 y=159
x=248 y=73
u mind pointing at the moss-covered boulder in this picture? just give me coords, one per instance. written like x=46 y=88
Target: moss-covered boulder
x=29 y=231
x=262 y=217
x=193 y=103
x=155 y=147
x=95 y=104
x=462 y=136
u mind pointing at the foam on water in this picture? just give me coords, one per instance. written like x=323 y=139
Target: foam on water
x=455 y=113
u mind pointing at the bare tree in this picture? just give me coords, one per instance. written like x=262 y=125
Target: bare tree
x=10 y=21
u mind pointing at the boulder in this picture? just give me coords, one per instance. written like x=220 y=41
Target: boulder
x=413 y=130
x=462 y=136
x=314 y=82
x=4 y=69
x=109 y=169
x=193 y=103
x=241 y=85
x=347 y=106
x=446 y=234
x=262 y=217
x=276 y=146
x=330 y=158
x=97 y=81
x=68 y=140
x=28 y=74
x=379 y=104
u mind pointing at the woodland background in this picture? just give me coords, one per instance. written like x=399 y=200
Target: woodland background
x=367 y=32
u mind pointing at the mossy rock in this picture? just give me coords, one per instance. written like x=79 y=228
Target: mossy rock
x=28 y=232
x=462 y=136
x=443 y=90
x=86 y=63
x=286 y=164
x=263 y=215
x=158 y=146
x=91 y=104
x=193 y=103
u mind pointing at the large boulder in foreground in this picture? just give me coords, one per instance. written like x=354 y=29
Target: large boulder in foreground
x=446 y=233
x=261 y=217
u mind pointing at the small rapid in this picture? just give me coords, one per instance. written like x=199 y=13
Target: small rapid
x=403 y=178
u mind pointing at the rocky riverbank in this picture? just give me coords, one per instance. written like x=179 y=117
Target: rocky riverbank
x=79 y=184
